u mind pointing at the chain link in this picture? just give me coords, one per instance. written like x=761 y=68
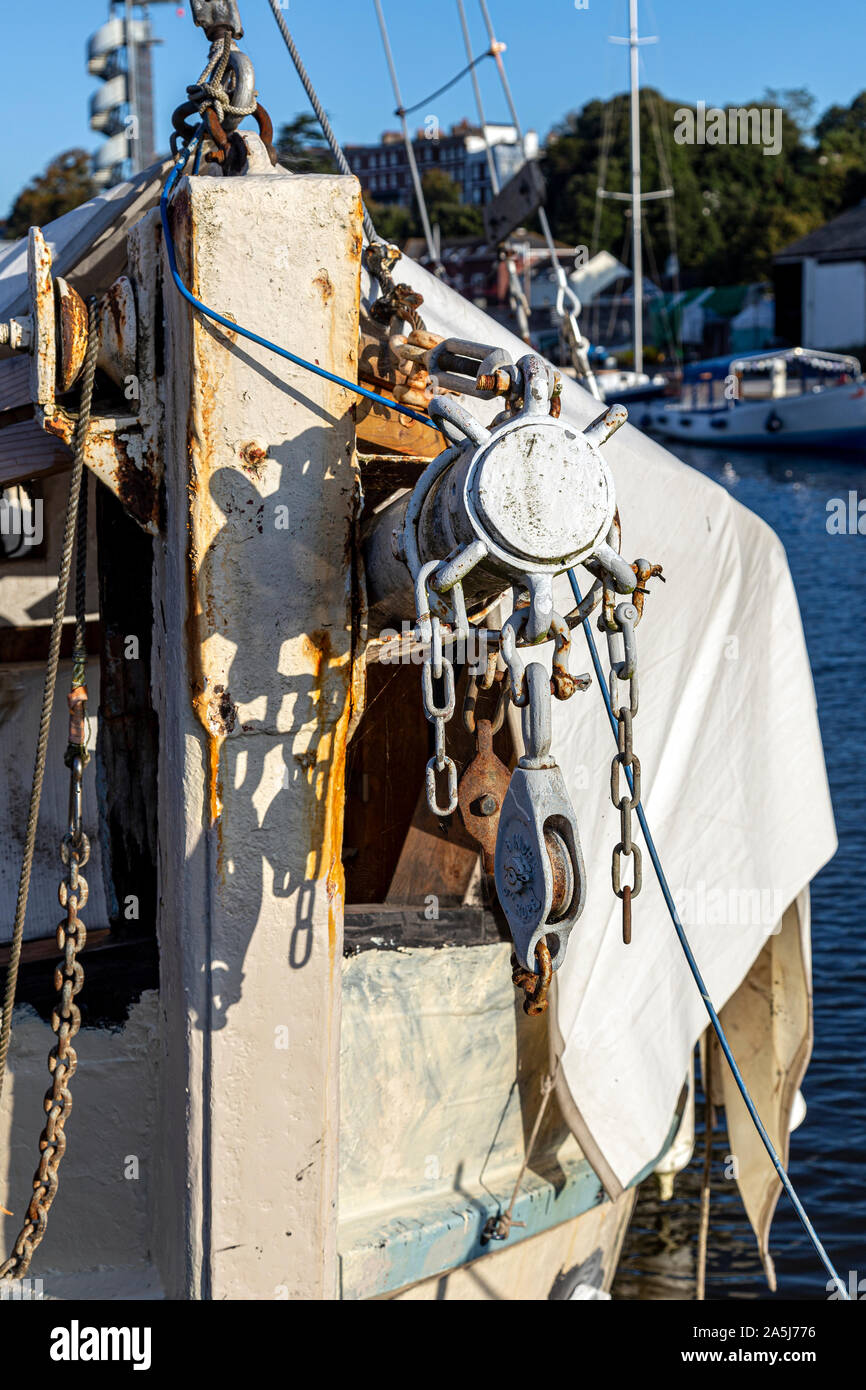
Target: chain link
x=535 y=985
x=438 y=667
x=65 y=1022
x=620 y=626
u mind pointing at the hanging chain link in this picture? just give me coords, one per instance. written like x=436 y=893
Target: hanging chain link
x=619 y=621
x=71 y=936
x=437 y=667
x=65 y=1021
x=625 y=804
x=74 y=848
x=535 y=986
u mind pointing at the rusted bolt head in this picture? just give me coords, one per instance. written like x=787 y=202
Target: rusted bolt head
x=488 y=805
x=254 y=453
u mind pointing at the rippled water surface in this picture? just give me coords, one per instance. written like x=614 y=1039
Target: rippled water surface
x=791 y=492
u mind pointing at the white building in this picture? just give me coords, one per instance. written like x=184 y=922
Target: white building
x=821 y=284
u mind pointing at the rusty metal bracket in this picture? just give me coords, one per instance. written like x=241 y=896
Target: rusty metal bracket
x=54 y=333
x=481 y=791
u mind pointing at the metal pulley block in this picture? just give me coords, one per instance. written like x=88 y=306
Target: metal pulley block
x=519 y=502
x=539 y=870
x=531 y=497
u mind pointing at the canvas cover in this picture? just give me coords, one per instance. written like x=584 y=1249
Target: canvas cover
x=734 y=787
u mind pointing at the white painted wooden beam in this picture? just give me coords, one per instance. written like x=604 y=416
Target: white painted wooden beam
x=254 y=660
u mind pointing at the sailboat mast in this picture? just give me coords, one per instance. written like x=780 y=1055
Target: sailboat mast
x=636 y=229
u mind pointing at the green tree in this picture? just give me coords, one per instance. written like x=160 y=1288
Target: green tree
x=734 y=207
x=392 y=221
x=446 y=208
x=65 y=184
x=841 y=157
x=301 y=146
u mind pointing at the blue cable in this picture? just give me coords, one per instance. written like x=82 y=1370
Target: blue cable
x=246 y=332
x=699 y=981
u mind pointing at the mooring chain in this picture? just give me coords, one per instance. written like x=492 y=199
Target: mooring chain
x=74 y=848
x=65 y=1021
x=625 y=804
x=619 y=621
x=438 y=667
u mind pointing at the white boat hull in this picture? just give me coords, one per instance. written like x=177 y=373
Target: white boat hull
x=831 y=418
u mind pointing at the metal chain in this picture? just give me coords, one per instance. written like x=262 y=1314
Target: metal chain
x=74 y=849
x=619 y=622
x=624 y=619
x=65 y=1021
x=50 y=683
x=437 y=667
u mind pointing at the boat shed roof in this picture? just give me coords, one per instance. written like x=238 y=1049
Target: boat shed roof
x=842 y=239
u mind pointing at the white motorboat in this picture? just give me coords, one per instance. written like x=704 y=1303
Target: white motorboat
x=790 y=398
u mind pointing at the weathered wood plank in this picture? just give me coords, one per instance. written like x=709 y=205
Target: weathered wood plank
x=399 y=434
x=14 y=383
x=26 y=452
x=372 y=926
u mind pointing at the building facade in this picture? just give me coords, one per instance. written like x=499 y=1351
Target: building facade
x=460 y=153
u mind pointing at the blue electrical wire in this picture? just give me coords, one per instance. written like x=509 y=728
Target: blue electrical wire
x=653 y=853
x=699 y=980
x=246 y=332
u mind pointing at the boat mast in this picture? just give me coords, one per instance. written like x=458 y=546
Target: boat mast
x=636 y=228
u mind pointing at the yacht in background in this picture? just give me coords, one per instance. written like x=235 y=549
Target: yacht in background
x=787 y=398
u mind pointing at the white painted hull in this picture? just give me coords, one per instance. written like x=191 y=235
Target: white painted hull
x=628 y=386
x=833 y=418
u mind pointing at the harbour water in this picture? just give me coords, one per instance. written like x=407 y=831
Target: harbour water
x=796 y=494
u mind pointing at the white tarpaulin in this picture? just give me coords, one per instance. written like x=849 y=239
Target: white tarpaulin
x=734 y=784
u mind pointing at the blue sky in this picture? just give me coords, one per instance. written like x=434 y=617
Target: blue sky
x=720 y=51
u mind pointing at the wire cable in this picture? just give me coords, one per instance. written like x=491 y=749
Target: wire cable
x=407 y=141
x=698 y=978
x=336 y=148
x=410 y=110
